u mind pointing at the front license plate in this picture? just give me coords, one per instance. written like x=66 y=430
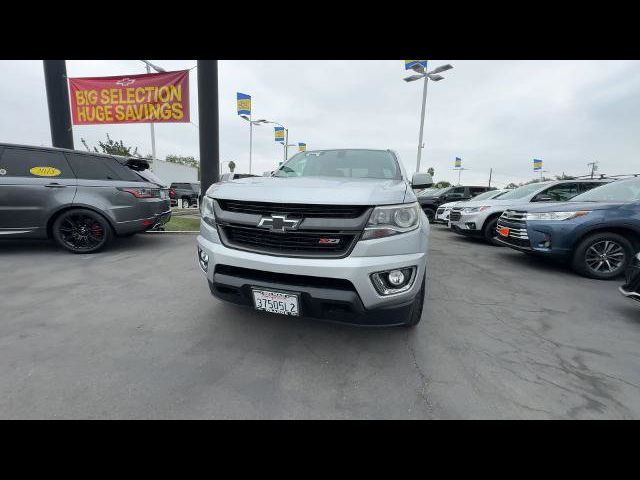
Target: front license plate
x=276 y=302
x=504 y=231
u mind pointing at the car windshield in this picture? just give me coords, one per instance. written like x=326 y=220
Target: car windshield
x=342 y=163
x=523 y=191
x=485 y=195
x=619 y=191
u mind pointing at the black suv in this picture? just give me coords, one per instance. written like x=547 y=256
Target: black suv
x=79 y=199
x=186 y=194
x=431 y=199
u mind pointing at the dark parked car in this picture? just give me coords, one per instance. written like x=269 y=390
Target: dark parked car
x=597 y=231
x=631 y=287
x=185 y=194
x=79 y=199
x=431 y=199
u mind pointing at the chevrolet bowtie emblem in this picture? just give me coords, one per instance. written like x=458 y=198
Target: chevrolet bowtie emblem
x=278 y=223
x=125 y=81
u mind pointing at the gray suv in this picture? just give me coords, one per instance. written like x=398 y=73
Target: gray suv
x=79 y=199
x=333 y=234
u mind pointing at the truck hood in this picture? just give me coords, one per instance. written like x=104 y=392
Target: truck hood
x=572 y=206
x=316 y=190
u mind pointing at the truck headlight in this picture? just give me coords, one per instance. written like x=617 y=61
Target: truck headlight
x=208 y=215
x=392 y=220
x=556 y=215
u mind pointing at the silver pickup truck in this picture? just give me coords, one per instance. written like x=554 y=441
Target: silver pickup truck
x=332 y=234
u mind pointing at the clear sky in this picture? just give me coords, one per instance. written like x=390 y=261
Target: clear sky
x=498 y=114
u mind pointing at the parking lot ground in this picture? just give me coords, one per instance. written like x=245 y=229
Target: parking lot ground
x=134 y=333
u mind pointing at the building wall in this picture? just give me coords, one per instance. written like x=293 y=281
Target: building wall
x=173 y=172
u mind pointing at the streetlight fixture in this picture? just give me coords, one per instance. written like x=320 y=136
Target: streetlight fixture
x=153 y=133
x=251 y=124
x=286 y=138
x=431 y=75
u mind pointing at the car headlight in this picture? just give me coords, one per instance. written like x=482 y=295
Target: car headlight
x=474 y=209
x=208 y=215
x=556 y=215
x=392 y=220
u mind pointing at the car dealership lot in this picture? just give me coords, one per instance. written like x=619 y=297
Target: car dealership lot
x=132 y=332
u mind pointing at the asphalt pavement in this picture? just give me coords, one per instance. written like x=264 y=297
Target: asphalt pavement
x=133 y=332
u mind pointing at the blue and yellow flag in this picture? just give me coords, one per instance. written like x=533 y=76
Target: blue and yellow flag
x=244 y=103
x=279 y=134
x=302 y=147
x=537 y=164
x=457 y=163
x=409 y=64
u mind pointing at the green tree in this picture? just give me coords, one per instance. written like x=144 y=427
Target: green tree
x=112 y=147
x=232 y=166
x=431 y=171
x=512 y=185
x=564 y=177
x=442 y=184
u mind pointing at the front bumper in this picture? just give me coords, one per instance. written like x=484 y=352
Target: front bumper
x=468 y=224
x=328 y=295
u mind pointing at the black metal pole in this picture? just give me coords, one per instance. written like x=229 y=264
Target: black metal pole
x=208 y=119
x=55 y=79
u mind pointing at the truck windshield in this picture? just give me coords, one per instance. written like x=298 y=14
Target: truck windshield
x=619 y=191
x=523 y=191
x=342 y=163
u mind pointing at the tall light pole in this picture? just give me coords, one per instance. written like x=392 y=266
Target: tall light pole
x=431 y=75
x=286 y=137
x=153 y=132
x=251 y=124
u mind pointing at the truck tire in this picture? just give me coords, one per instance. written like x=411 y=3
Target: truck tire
x=602 y=256
x=415 y=314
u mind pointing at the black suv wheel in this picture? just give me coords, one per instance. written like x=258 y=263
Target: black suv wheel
x=81 y=231
x=602 y=256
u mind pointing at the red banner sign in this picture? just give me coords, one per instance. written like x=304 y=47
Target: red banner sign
x=146 y=98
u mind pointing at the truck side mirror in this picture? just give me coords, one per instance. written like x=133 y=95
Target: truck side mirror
x=421 y=180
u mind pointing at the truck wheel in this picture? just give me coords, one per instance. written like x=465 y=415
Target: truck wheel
x=81 y=231
x=489 y=231
x=186 y=203
x=602 y=256
x=416 y=309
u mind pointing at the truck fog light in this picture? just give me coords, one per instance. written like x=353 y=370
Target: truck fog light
x=393 y=281
x=203 y=260
x=396 y=278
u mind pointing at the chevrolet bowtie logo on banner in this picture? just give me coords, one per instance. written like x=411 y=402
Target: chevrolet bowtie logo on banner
x=244 y=104
x=409 y=64
x=145 y=98
x=302 y=147
x=458 y=163
x=537 y=165
x=279 y=134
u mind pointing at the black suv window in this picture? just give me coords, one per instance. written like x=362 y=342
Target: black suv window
x=562 y=192
x=93 y=167
x=477 y=190
x=26 y=162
